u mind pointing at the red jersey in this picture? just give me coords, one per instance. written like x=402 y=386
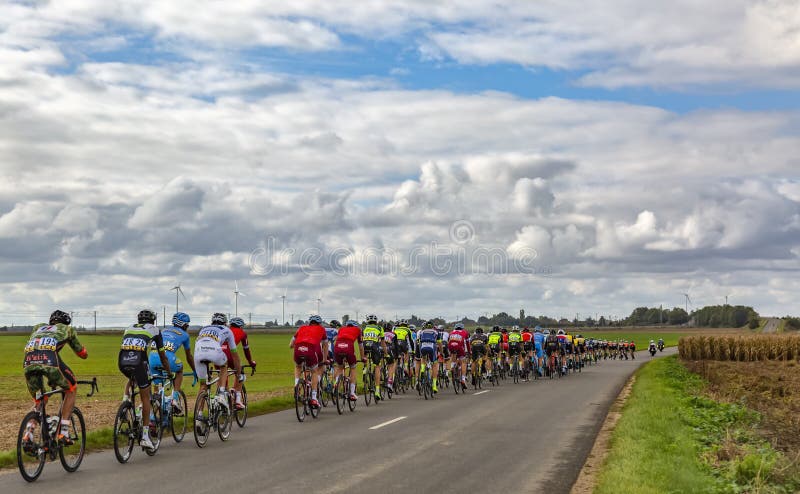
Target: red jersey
x=312 y=334
x=527 y=336
x=459 y=337
x=349 y=333
x=505 y=337
x=239 y=336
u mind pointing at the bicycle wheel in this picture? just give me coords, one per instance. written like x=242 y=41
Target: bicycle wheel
x=224 y=423
x=369 y=387
x=30 y=450
x=125 y=432
x=426 y=386
x=202 y=419
x=324 y=394
x=179 y=421
x=241 y=415
x=314 y=410
x=339 y=396
x=71 y=456
x=300 y=401
x=350 y=403
x=457 y=379
x=515 y=372
x=156 y=428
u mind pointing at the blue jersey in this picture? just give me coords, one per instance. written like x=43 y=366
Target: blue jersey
x=429 y=336
x=538 y=340
x=331 y=333
x=174 y=339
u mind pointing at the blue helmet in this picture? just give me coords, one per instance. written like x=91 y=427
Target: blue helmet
x=180 y=319
x=538 y=328
x=238 y=322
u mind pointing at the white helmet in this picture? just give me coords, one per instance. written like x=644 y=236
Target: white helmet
x=372 y=318
x=560 y=332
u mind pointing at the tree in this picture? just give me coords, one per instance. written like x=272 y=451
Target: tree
x=345 y=318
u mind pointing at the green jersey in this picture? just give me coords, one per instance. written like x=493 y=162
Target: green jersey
x=372 y=333
x=402 y=333
x=514 y=337
x=46 y=341
x=495 y=338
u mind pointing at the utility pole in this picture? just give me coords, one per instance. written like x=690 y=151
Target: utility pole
x=291 y=323
x=250 y=319
x=95 y=321
x=164 y=321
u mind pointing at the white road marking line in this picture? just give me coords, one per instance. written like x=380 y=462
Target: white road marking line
x=398 y=419
x=481 y=392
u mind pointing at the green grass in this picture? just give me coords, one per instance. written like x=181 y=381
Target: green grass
x=670 y=438
x=271 y=352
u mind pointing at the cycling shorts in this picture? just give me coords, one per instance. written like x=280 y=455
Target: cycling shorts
x=302 y=351
x=527 y=346
x=494 y=349
x=514 y=349
x=374 y=351
x=57 y=377
x=345 y=351
x=478 y=351
x=427 y=349
x=402 y=346
x=457 y=350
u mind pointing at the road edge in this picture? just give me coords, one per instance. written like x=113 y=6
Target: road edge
x=587 y=478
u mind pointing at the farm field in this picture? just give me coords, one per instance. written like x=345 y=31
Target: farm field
x=273 y=378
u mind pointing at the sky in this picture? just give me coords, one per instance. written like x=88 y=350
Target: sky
x=449 y=158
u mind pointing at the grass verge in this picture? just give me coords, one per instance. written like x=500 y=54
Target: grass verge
x=671 y=438
x=104 y=438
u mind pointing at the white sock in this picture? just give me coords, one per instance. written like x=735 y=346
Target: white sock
x=314 y=395
x=352 y=388
x=296 y=380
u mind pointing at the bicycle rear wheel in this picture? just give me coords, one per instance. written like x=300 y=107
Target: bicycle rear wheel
x=241 y=415
x=125 y=432
x=30 y=450
x=350 y=403
x=324 y=392
x=314 y=410
x=202 y=419
x=179 y=421
x=369 y=386
x=300 y=400
x=156 y=427
x=224 y=423
x=71 y=456
x=339 y=396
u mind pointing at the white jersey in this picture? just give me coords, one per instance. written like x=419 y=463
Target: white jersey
x=218 y=334
x=445 y=337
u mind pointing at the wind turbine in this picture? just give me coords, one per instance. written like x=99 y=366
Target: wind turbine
x=236 y=294
x=178 y=291
x=283 y=303
x=319 y=300
x=688 y=301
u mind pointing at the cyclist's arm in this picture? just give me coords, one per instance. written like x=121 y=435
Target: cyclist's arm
x=159 y=341
x=76 y=346
x=188 y=350
x=246 y=348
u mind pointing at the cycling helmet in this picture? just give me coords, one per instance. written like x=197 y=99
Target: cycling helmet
x=387 y=326
x=458 y=326
x=495 y=328
x=351 y=323
x=515 y=329
x=146 y=317
x=335 y=324
x=372 y=318
x=579 y=336
x=504 y=330
x=402 y=322
x=412 y=327
x=219 y=318
x=237 y=322
x=651 y=341
x=181 y=320
x=315 y=319
x=429 y=325
x=440 y=327
x=479 y=330
x=561 y=332
x=546 y=332
x=60 y=317
x=538 y=329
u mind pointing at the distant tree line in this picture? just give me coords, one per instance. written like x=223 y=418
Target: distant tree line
x=726 y=316
x=645 y=316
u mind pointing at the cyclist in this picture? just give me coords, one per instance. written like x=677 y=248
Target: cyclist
x=310 y=342
x=458 y=344
x=527 y=346
x=133 y=363
x=405 y=343
x=375 y=346
x=174 y=338
x=429 y=346
x=579 y=344
x=331 y=331
x=661 y=344
x=444 y=336
x=42 y=359
x=494 y=340
x=239 y=336
x=208 y=348
x=477 y=346
x=552 y=348
x=504 y=354
x=538 y=347
x=390 y=353
x=514 y=344
x=345 y=351
x=565 y=344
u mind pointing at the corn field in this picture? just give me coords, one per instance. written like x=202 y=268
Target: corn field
x=740 y=348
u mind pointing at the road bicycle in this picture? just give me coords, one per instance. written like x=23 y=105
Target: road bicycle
x=326 y=385
x=240 y=416
x=174 y=416
x=129 y=423
x=426 y=379
x=212 y=412
x=37 y=439
x=302 y=394
x=341 y=391
x=515 y=374
x=368 y=380
x=477 y=368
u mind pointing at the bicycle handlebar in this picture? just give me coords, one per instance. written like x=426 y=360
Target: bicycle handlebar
x=93 y=384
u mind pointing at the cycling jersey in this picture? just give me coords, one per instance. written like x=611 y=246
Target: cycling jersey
x=514 y=338
x=132 y=360
x=405 y=341
x=344 y=349
x=174 y=338
x=527 y=336
x=307 y=341
x=41 y=357
x=208 y=348
x=495 y=338
x=459 y=343
x=372 y=334
x=427 y=340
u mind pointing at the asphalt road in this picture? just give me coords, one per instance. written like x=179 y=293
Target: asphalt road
x=487 y=442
